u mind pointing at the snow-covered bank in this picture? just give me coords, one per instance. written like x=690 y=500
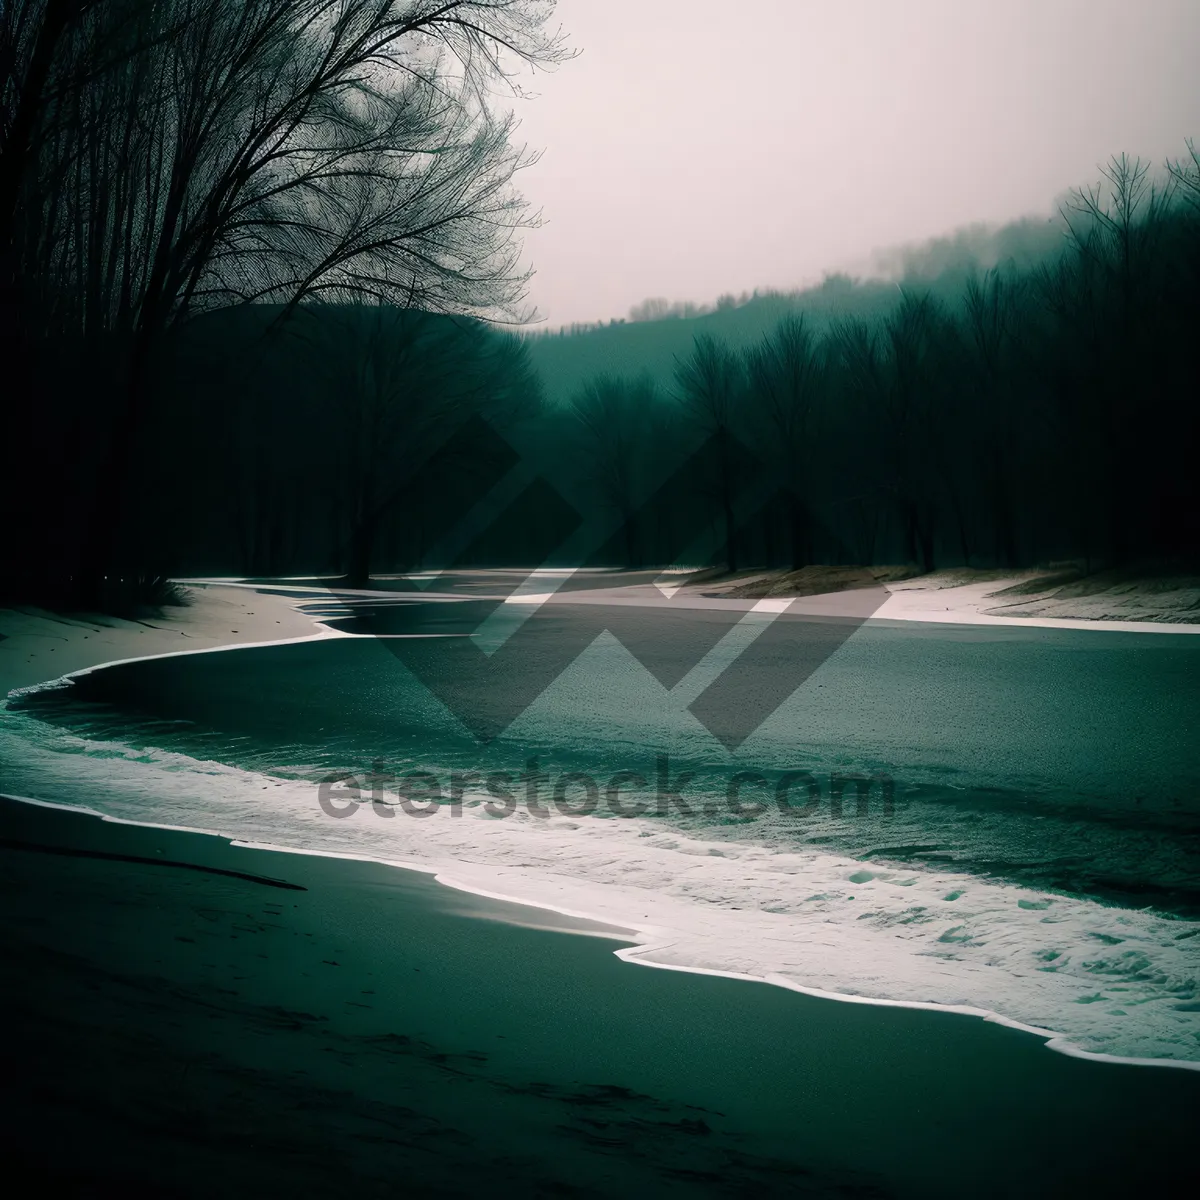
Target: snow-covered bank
x=1061 y=598
x=864 y=924
x=36 y=646
x=1040 y=597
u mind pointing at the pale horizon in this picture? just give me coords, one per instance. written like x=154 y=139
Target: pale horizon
x=852 y=131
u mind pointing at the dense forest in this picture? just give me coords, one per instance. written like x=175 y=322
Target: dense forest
x=1005 y=399
x=187 y=179
x=245 y=334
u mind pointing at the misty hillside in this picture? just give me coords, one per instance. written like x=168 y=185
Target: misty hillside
x=566 y=359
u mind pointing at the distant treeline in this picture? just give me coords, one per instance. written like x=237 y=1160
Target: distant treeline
x=1035 y=410
x=245 y=334
x=1043 y=408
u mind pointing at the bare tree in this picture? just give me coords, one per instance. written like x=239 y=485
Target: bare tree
x=281 y=149
x=856 y=349
x=991 y=325
x=910 y=333
x=617 y=416
x=266 y=151
x=1114 y=228
x=1113 y=224
x=892 y=372
x=786 y=374
x=709 y=384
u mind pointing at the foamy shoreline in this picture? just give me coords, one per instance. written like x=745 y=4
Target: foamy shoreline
x=363 y=1019
x=252 y=619
x=648 y=938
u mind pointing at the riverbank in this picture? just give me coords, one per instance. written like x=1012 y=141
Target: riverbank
x=1065 y=596
x=37 y=646
x=195 y=1014
x=196 y=1025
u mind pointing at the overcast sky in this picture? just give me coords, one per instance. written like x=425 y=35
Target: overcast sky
x=696 y=147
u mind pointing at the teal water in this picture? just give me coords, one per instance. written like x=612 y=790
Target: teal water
x=1041 y=857
x=1062 y=757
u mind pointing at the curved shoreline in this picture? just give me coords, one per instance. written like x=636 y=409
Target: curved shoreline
x=639 y=953
x=378 y=1023
x=648 y=938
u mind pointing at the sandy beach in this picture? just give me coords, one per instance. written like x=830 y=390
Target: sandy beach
x=36 y=646
x=1061 y=597
x=197 y=1015
x=188 y=1014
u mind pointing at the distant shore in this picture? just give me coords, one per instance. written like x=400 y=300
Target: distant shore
x=1065 y=596
x=38 y=646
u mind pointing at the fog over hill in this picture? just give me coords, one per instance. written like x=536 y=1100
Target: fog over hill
x=658 y=331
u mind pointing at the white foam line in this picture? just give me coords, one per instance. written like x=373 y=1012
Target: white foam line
x=637 y=955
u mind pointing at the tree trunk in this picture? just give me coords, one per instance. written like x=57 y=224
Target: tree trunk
x=358 y=560
x=727 y=503
x=109 y=512
x=908 y=514
x=925 y=536
x=799 y=531
x=627 y=518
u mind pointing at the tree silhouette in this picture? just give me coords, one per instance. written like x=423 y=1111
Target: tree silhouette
x=709 y=385
x=195 y=154
x=617 y=417
x=786 y=374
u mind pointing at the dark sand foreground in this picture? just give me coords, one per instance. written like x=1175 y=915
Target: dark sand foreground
x=183 y=1016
